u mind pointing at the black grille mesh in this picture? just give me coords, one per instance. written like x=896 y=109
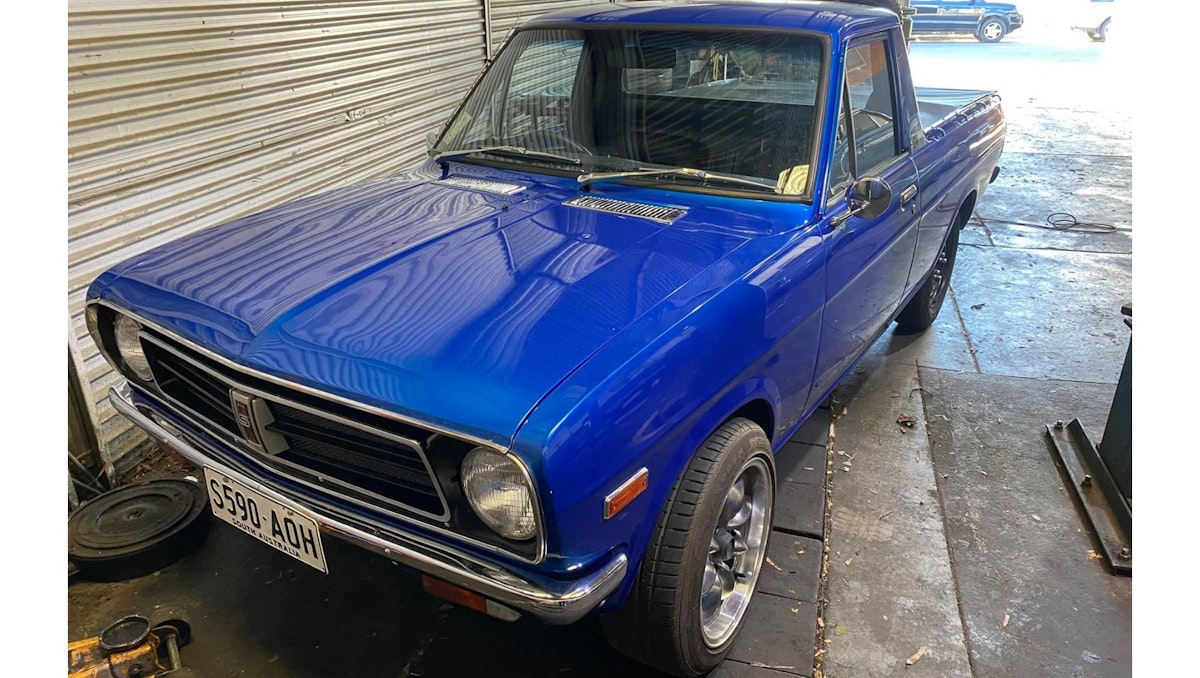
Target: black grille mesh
x=374 y=463
x=191 y=387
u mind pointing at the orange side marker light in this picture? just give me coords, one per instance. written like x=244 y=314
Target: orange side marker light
x=626 y=493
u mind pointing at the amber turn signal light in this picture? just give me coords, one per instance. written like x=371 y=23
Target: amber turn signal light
x=626 y=493
x=454 y=594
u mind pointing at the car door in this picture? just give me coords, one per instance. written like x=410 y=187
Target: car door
x=925 y=15
x=958 y=16
x=868 y=258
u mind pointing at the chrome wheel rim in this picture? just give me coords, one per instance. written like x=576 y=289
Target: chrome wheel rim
x=736 y=552
x=940 y=280
x=991 y=31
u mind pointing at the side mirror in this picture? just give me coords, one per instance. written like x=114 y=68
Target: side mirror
x=866 y=198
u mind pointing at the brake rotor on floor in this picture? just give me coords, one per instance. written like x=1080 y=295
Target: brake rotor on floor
x=135 y=530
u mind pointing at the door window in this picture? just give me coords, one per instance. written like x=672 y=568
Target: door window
x=872 y=107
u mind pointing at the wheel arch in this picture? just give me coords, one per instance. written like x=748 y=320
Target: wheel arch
x=758 y=411
x=966 y=209
x=661 y=621
x=751 y=401
x=985 y=20
x=999 y=17
x=754 y=407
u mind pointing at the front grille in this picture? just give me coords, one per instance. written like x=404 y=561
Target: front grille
x=191 y=387
x=351 y=455
x=314 y=446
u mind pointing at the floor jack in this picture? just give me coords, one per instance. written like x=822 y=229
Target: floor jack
x=132 y=647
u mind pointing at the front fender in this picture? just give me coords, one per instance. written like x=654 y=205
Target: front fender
x=744 y=331
x=675 y=455
x=652 y=411
x=653 y=414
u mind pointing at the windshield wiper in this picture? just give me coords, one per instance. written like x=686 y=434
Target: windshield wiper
x=703 y=175
x=443 y=156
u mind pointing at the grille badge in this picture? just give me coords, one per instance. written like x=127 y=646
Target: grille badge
x=243 y=411
x=253 y=417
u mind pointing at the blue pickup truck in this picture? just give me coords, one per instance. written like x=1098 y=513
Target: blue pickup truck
x=550 y=366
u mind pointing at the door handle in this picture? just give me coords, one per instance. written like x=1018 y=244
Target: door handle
x=908 y=194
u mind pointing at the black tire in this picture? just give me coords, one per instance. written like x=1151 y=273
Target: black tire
x=661 y=623
x=992 y=29
x=923 y=308
x=135 y=530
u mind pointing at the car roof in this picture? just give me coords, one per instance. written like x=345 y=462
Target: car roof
x=827 y=17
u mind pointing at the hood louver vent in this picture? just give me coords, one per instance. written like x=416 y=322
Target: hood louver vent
x=481 y=185
x=659 y=213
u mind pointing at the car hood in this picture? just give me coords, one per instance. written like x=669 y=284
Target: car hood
x=456 y=307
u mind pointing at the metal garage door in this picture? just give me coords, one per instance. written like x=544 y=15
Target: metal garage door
x=503 y=15
x=184 y=115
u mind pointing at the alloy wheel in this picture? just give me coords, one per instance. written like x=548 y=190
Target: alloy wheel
x=736 y=552
x=940 y=280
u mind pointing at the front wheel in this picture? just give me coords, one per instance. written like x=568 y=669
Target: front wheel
x=702 y=564
x=923 y=309
x=991 y=30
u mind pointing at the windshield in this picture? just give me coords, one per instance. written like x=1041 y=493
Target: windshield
x=730 y=103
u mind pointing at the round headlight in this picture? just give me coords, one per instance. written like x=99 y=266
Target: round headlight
x=498 y=493
x=129 y=347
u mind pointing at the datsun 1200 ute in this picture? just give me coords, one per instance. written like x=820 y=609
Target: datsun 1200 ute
x=549 y=368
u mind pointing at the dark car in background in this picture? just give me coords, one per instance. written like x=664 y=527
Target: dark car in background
x=987 y=21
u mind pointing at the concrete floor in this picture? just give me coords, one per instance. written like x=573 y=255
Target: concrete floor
x=937 y=534
x=957 y=535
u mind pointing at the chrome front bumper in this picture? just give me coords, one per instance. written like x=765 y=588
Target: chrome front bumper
x=550 y=600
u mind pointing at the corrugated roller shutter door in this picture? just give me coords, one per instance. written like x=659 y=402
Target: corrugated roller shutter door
x=505 y=14
x=184 y=116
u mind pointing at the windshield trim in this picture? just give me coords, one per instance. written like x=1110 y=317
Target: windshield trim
x=819 y=106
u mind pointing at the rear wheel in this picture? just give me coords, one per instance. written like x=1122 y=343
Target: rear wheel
x=923 y=309
x=992 y=30
x=702 y=564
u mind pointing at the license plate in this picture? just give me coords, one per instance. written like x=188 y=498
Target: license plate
x=269 y=521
